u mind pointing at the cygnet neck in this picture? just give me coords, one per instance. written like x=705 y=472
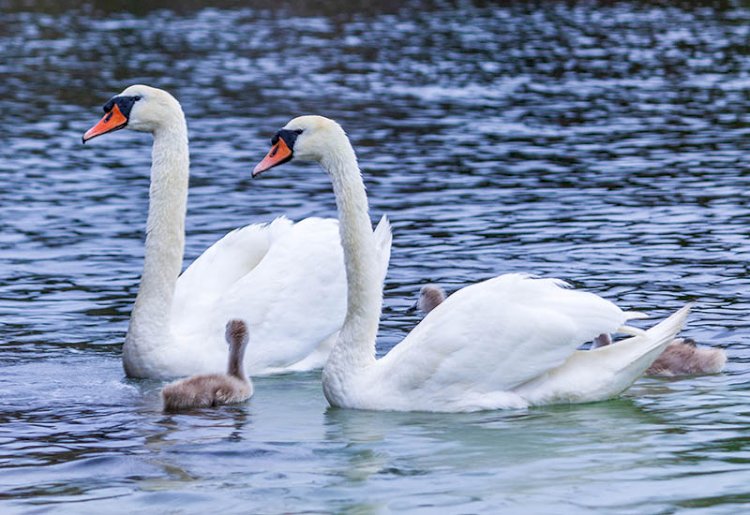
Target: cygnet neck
x=236 y=360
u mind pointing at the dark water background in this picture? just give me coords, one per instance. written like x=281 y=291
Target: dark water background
x=600 y=143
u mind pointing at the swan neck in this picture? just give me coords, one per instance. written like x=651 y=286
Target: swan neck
x=355 y=347
x=165 y=234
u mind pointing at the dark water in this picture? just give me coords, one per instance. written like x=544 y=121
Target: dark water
x=603 y=144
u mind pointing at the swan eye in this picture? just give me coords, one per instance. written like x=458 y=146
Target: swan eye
x=288 y=135
x=291 y=136
x=137 y=97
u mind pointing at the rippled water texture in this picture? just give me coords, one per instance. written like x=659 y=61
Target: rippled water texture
x=603 y=144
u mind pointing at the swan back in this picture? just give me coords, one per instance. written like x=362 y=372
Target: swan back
x=219 y=269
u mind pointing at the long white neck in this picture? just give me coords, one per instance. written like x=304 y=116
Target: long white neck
x=356 y=344
x=165 y=241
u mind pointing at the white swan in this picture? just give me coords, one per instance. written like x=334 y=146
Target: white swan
x=507 y=342
x=286 y=280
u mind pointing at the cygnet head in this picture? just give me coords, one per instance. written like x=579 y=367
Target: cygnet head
x=602 y=340
x=430 y=297
x=139 y=108
x=309 y=138
x=236 y=333
x=690 y=342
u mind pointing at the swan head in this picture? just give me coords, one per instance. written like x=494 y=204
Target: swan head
x=139 y=108
x=308 y=138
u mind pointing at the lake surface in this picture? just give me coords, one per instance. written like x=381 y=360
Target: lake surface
x=602 y=144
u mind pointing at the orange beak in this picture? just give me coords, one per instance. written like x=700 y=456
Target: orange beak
x=111 y=121
x=279 y=153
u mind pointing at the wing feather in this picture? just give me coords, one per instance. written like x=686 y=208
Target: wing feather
x=209 y=277
x=295 y=297
x=498 y=334
x=287 y=281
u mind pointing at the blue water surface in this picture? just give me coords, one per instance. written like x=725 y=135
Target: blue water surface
x=601 y=143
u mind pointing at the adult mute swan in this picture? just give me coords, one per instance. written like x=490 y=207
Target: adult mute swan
x=682 y=357
x=508 y=342
x=286 y=280
x=204 y=391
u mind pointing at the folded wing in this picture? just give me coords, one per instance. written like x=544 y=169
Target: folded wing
x=498 y=334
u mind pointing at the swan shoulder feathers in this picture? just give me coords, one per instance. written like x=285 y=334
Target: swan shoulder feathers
x=498 y=334
x=203 y=283
x=261 y=273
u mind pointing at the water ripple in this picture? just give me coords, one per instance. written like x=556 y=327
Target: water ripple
x=599 y=143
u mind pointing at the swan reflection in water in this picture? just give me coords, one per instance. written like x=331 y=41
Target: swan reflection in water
x=490 y=441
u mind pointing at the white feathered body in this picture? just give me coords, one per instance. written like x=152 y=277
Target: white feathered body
x=508 y=342
x=286 y=280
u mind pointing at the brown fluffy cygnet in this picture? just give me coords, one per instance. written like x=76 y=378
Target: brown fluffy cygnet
x=430 y=297
x=682 y=357
x=203 y=391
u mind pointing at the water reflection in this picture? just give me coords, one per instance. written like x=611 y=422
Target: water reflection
x=231 y=420
x=476 y=440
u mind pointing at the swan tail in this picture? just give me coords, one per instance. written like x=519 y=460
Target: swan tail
x=637 y=353
x=596 y=375
x=383 y=234
x=383 y=238
x=636 y=315
x=632 y=331
x=666 y=330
